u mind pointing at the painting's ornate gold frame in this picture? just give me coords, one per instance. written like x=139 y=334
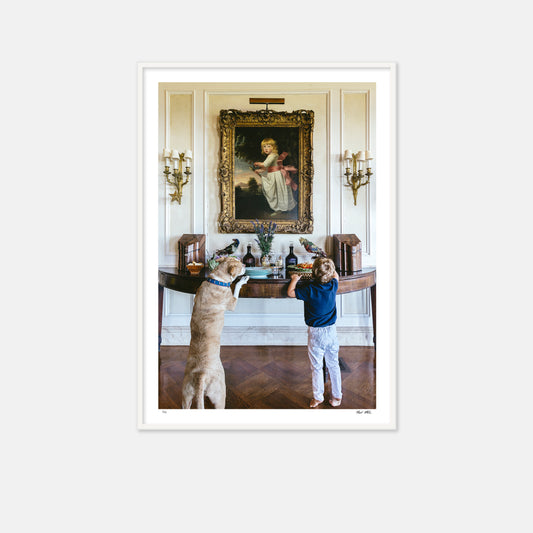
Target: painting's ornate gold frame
x=229 y=119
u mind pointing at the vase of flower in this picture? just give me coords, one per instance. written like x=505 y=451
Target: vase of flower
x=265 y=236
x=266 y=259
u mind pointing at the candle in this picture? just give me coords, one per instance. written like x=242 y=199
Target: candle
x=166 y=155
x=175 y=156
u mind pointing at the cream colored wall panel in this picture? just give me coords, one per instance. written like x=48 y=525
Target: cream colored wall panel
x=356 y=133
x=179 y=137
x=268 y=306
x=355 y=303
x=180 y=121
x=178 y=303
x=355 y=217
x=354 y=120
x=355 y=137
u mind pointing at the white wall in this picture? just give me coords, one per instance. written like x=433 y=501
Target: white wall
x=72 y=459
x=344 y=119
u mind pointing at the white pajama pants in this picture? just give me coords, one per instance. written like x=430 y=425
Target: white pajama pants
x=322 y=344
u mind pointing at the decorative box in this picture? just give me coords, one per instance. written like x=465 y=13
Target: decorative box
x=191 y=249
x=347 y=253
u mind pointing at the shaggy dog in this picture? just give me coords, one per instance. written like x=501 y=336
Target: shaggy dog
x=204 y=373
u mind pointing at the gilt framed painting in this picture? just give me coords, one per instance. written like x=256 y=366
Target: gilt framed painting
x=266 y=170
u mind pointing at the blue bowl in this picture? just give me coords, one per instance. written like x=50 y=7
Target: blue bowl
x=258 y=272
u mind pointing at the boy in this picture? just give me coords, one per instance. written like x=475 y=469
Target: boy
x=320 y=314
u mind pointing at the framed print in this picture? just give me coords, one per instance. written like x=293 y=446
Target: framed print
x=218 y=176
x=276 y=188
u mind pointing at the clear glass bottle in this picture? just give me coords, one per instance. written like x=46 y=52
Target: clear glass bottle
x=291 y=259
x=277 y=265
x=249 y=260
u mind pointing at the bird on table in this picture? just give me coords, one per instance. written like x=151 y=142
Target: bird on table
x=312 y=248
x=230 y=248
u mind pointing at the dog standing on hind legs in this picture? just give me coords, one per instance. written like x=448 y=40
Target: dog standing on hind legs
x=204 y=373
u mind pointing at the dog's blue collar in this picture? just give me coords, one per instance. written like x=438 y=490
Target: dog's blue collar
x=216 y=282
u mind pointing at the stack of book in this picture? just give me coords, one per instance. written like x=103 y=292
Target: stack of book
x=191 y=248
x=347 y=253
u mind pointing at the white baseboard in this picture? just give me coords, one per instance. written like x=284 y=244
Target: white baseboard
x=268 y=336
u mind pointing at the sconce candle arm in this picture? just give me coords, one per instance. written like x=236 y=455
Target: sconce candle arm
x=187 y=173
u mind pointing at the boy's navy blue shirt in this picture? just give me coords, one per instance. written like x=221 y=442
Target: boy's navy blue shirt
x=320 y=307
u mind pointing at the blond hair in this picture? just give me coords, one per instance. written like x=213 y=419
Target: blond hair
x=271 y=142
x=323 y=269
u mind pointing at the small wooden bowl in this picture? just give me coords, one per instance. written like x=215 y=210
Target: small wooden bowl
x=195 y=268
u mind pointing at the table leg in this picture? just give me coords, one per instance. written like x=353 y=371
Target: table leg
x=161 y=294
x=374 y=324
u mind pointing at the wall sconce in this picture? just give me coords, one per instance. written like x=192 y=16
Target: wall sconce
x=176 y=178
x=355 y=173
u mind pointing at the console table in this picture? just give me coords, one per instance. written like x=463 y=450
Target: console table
x=176 y=280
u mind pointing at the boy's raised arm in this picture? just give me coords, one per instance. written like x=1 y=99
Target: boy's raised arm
x=292 y=286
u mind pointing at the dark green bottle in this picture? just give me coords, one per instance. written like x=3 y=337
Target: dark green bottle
x=291 y=259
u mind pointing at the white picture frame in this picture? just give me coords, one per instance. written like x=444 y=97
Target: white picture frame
x=152 y=418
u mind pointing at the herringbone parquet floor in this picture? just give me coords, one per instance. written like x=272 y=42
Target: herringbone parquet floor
x=273 y=377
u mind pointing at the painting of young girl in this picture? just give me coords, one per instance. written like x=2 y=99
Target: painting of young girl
x=276 y=179
x=266 y=181
x=265 y=170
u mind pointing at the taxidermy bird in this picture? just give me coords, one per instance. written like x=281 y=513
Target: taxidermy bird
x=312 y=248
x=230 y=248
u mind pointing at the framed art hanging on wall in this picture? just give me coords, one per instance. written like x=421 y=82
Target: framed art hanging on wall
x=300 y=168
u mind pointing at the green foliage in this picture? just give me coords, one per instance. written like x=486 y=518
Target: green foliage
x=265 y=235
x=253 y=186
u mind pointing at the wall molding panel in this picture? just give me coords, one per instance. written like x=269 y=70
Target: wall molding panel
x=368 y=145
x=267 y=335
x=189 y=196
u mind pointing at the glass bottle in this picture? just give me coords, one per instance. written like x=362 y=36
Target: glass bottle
x=291 y=259
x=265 y=260
x=249 y=260
x=277 y=266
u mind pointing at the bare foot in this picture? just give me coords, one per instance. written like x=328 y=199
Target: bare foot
x=315 y=403
x=335 y=402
